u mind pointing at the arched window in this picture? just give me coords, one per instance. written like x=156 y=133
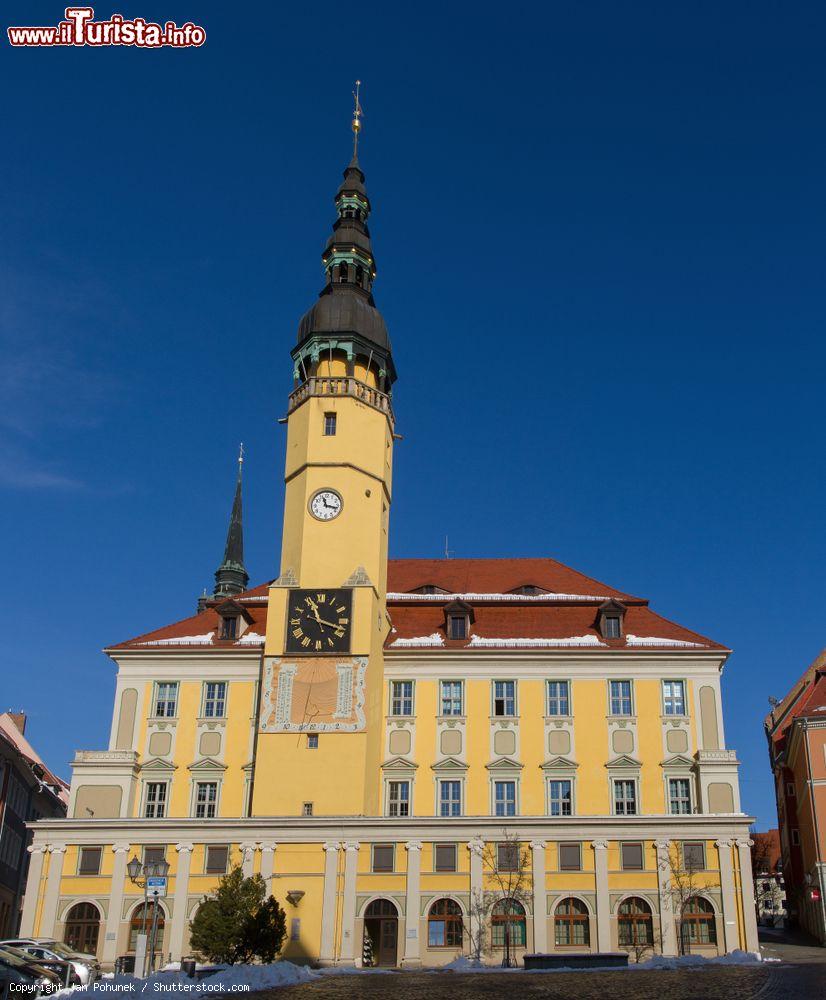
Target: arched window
x=444 y=924
x=139 y=926
x=381 y=908
x=698 y=924
x=343 y=273
x=359 y=275
x=635 y=922
x=82 y=928
x=571 y=922
x=508 y=916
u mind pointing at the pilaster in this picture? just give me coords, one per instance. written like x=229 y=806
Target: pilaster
x=730 y=935
x=179 y=915
x=412 y=904
x=268 y=863
x=47 y=918
x=109 y=951
x=540 y=901
x=668 y=931
x=476 y=848
x=248 y=850
x=348 y=919
x=328 y=904
x=37 y=854
x=603 y=901
x=747 y=892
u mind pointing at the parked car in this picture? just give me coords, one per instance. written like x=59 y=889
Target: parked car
x=86 y=966
x=21 y=978
x=64 y=969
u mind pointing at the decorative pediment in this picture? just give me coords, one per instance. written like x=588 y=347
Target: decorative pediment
x=358 y=578
x=678 y=760
x=399 y=764
x=207 y=764
x=504 y=764
x=559 y=764
x=449 y=764
x=624 y=762
x=158 y=764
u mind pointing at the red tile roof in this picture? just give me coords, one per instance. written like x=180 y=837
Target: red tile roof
x=568 y=610
x=806 y=697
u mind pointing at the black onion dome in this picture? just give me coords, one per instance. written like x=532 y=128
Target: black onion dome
x=342 y=310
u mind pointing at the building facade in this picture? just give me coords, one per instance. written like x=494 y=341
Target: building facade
x=769 y=884
x=796 y=733
x=28 y=791
x=422 y=758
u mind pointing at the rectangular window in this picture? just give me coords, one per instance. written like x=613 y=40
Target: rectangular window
x=796 y=838
x=89 y=861
x=217 y=856
x=612 y=627
x=398 y=798
x=152 y=855
x=505 y=798
x=674 y=697
x=401 y=700
x=307 y=809
x=450 y=798
x=570 y=857
x=559 y=797
x=694 y=856
x=507 y=857
x=444 y=857
x=215 y=699
x=166 y=699
x=620 y=697
x=679 y=795
x=625 y=798
x=329 y=424
x=312 y=741
x=558 y=700
x=206 y=799
x=155 y=807
x=504 y=698
x=451 y=698
x=457 y=626
x=790 y=789
x=229 y=627
x=383 y=858
x=631 y=856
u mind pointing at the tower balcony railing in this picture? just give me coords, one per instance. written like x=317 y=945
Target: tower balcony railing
x=320 y=385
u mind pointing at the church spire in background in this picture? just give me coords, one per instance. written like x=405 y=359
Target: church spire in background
x=231 y=576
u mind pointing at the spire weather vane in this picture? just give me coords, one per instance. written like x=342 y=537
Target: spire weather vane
x=241 y=455
x=357 y=114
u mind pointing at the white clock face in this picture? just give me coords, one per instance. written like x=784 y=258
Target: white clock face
x=325 y=505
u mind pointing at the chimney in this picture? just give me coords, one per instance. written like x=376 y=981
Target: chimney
x=19 y=719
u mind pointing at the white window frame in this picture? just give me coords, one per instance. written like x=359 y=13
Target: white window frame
x=493 y=699
x=666 y=700
x=558 y=715
x=196 y=784
x=621 y=715
x=635 y=783
x=156 y=691
x=452 y=781
x=146 y=786
x=679 y=777
x=451 y=715
x=504 y=781
x=402 y=715
x=389 y=798
x=205 y=700
x=548 y=781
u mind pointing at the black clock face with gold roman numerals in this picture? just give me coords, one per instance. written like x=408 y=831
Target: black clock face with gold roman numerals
x=319 y=621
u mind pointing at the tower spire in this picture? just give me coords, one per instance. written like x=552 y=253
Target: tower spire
x=231 y=576
x=357 y=113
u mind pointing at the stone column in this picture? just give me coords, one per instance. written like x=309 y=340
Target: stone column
x=110 y=938
x=49 y=914
x=668 y=932
x=37 y=853
x=476 y=848
x=268 y=863
x=329 y=900
x=603 y=900
x=540 y=897
x=730 y=936
x=176 y=936
x=411 y=905
x=248 y=851
x=747 y=892
x=348 y=917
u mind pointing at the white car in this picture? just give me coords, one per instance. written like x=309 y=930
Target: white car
x=87 y=967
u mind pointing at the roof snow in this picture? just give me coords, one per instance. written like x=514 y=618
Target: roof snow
x=180 y=640
x=250 y=639
x=471 y=596
x=640 y=640
x=574 y=640
x=423 y=640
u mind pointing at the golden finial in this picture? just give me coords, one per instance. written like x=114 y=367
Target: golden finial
x=357 y=113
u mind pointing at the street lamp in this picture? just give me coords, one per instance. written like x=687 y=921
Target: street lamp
x=150 y=869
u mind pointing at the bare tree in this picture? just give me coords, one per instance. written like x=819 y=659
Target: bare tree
x=508 y=870
x=477 y=924
x=683 y=885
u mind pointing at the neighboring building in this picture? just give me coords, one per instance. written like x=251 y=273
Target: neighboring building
x=796 y=732
x=769 y=884
x=28 y=792
x=369 y=735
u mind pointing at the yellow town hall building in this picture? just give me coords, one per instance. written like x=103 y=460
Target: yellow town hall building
x=392 y=744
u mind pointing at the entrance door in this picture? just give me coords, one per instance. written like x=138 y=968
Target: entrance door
x=388 y=932
x=381 y=921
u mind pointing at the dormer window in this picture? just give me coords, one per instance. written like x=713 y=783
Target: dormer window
x=428 y=588
x=229 y=627
x=234 y=620
x=458 y=619
x=529 y=590
x=610 y=619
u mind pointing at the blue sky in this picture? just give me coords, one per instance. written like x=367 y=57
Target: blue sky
x=599 y=237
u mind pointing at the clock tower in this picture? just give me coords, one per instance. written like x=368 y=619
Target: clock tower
x=319 y=732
